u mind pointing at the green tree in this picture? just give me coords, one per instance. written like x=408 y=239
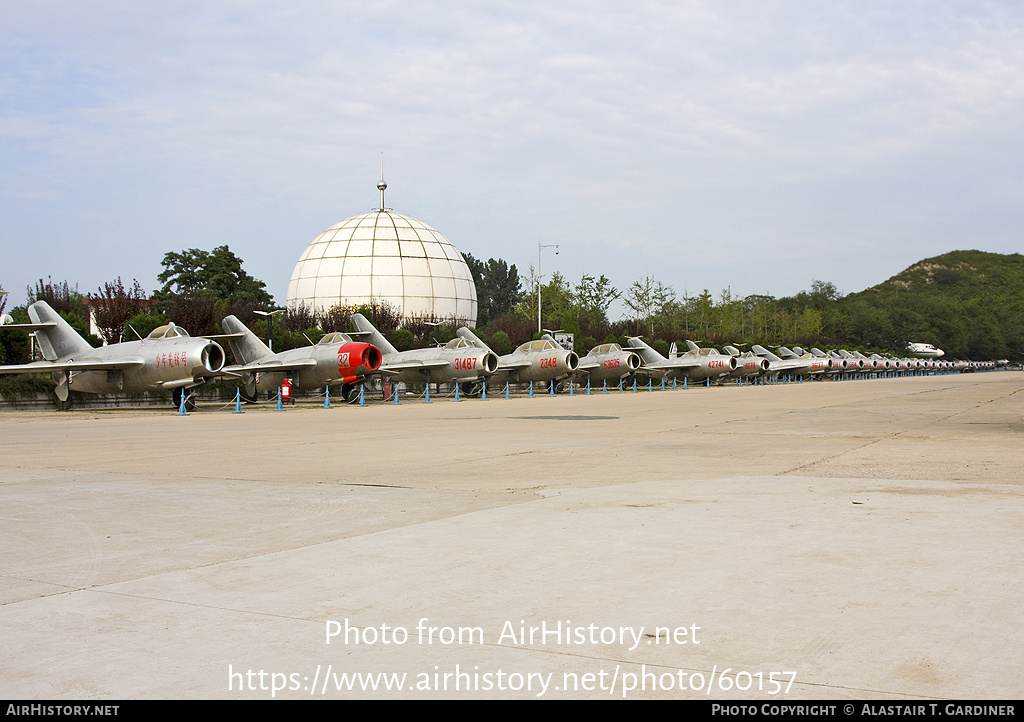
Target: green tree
x=217 y=274
x=497 y=287
x=648 y=299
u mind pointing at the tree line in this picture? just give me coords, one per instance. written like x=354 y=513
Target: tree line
x=968 y=302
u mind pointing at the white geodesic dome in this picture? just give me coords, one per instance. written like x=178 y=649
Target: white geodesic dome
x=384 y=256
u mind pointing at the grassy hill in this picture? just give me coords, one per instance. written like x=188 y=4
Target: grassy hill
x=970 y=303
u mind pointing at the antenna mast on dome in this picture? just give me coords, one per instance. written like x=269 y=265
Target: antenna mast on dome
x=381 y=185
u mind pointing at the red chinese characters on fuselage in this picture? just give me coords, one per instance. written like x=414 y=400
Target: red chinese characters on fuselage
x=170 y=360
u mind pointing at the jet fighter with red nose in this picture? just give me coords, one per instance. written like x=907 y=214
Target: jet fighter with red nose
x=334 y=360
x=458 y=361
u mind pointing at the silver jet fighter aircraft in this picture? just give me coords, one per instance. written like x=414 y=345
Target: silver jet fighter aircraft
x=168 y=358
x=747 y=363
x=608 y=362
x=542 y=361
x=335 y=359
x=791 y=363
x=694 y=365
x=458 y=361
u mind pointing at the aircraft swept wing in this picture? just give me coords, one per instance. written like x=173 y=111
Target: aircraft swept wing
x=458 y=361
x=168 y=358
x=335 y=359
x=694 y=365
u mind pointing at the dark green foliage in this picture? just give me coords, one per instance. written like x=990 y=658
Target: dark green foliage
x=403 y=339
x=497 y=287
x=201 y=287
x=500 y=343
x=517 y=329
x=217 y=273
x=142 y=324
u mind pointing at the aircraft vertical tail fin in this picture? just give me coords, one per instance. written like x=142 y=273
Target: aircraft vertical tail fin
x=464 y=332
x=248 y=348
x=673 y=351
x=59 y=339
x=367 y=329
x=647 y=354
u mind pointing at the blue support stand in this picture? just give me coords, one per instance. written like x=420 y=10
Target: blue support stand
x=551 y=388
x=327 y=397
x=506 y=391
x=709 y=382
x=362 y=401
x=457 y=398
x=531 y=389
x=634 y=386
x=673 y=383
x=650 y=384
x=604 y=386
x=394 y=390
x=684 y=382
x=238 y=401
x=181 y=407
x=483 y=391
x=620 y=385
x=662 y=383
x=588 y=387
x=279 y=404
x=570 y=388
x=426 y=397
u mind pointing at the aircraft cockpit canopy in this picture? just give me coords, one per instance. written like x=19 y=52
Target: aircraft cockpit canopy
x=458 y=343
x=541 y=345
x=606 y=348
x=167 y=331
x=334 y=337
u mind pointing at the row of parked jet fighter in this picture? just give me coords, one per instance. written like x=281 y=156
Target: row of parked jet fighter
x=170 y=359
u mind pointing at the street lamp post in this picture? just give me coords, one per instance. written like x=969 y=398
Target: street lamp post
x=539 y=247
x=270 y=325
x=270 y=340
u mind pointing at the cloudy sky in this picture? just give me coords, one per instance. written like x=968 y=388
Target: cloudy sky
x=755 y=145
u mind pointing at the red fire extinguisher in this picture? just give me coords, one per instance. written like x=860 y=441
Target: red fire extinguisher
x=286 y=392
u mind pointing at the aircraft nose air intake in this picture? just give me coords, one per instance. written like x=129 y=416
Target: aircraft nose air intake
x=213 y=357
x=572 y=361
x=633 y=362
x=732 y=363
x=490 y=363
x=371 y=358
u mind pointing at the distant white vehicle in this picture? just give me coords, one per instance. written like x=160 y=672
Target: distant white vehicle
x=925 y=350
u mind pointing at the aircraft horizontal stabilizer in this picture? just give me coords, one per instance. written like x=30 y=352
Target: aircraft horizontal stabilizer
x=40 y=367
x=273 y=366
x=28 y=326
x=415 y=364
